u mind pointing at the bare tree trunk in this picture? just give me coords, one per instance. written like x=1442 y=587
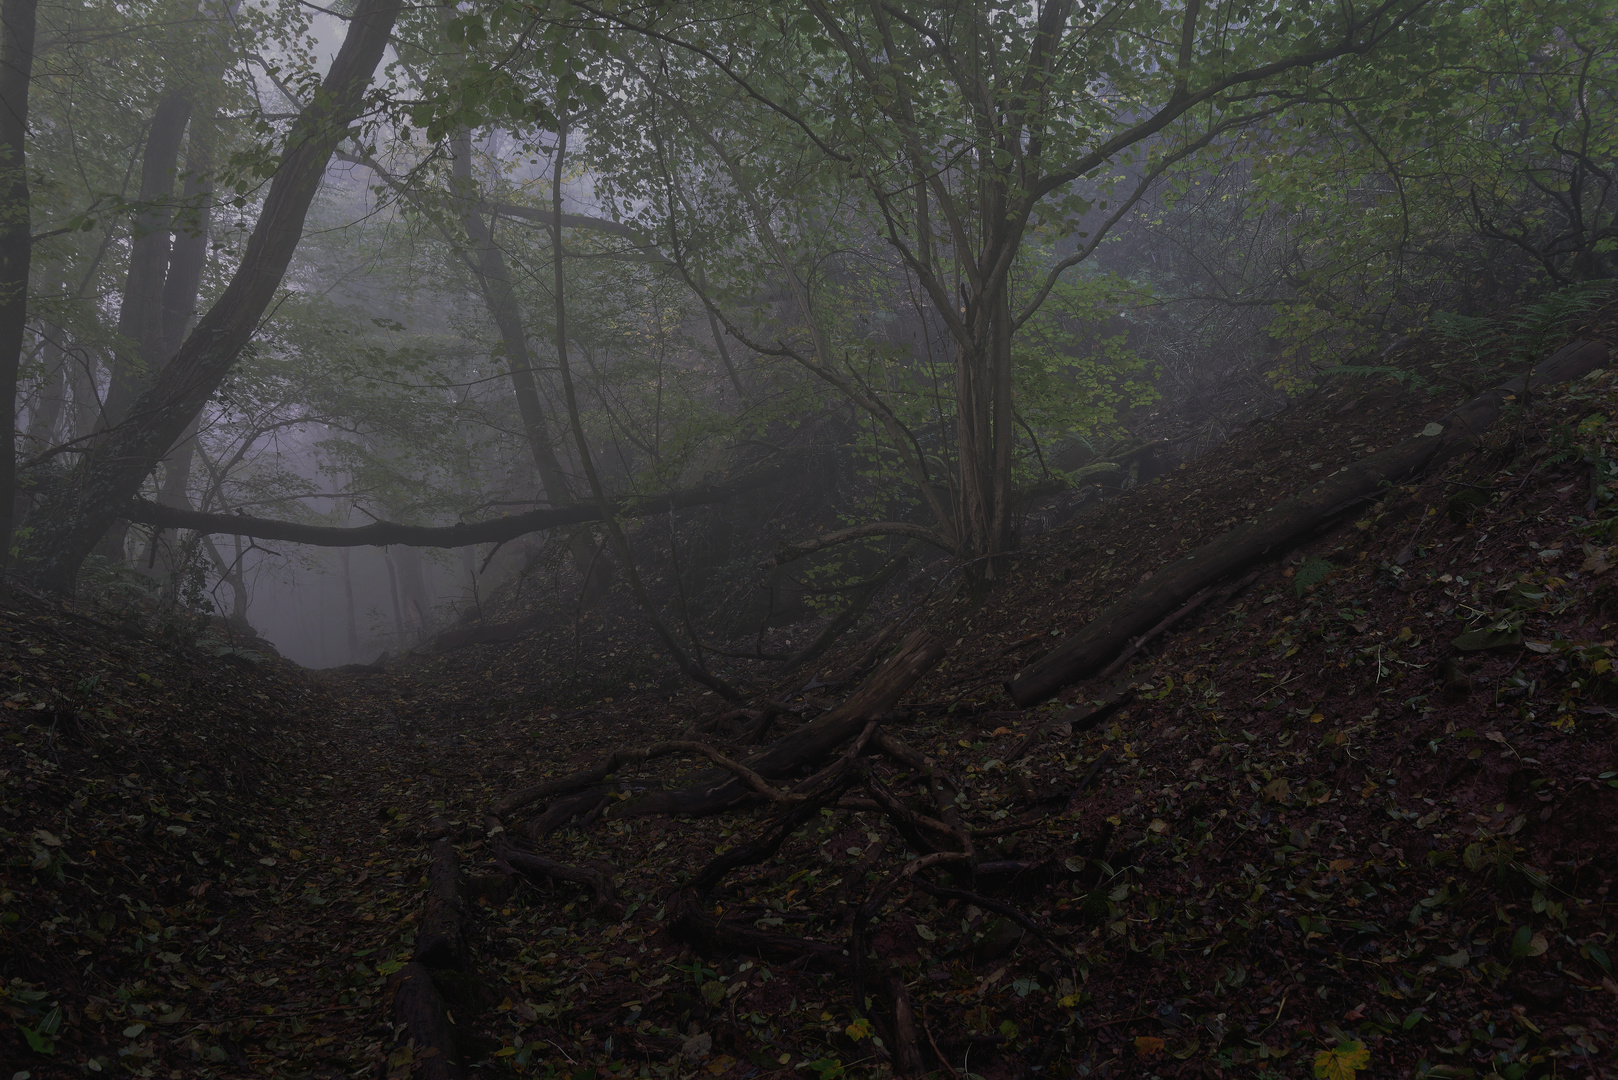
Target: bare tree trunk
x=494 y=280
x=47 y=411
x=140 y=313
x=393 y=591
x=17 y=22
x=348 y=601
x=86 y=402
x=110 y=474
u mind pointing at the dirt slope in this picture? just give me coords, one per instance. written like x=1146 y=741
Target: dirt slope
x=1359 y=815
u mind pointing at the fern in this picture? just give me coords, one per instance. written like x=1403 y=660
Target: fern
x=1312 y=571
x=1408 y=378
x=1464 y=331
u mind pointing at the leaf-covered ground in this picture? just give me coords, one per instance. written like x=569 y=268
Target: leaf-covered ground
x=1358 y=818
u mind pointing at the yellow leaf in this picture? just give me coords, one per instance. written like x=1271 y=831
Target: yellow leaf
x=1147 y=1045
x=1342 y=1061
x=1071 y=1001
x=859 y=1029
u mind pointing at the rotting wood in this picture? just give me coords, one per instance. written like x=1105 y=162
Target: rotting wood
x=441 y=940
x=1163 y=625
x=418 y=1014
x=769 y=842
x=1091 y=649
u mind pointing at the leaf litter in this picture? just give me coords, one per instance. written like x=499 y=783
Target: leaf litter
x=1317 y=832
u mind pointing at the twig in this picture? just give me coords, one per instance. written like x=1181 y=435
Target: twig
x=1135 y=646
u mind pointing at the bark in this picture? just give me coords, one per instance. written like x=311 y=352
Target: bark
x=441 y=940
x=348 y=608
x=488 y=263
x=1089 y=650
x=17 y=23
x=107 y=478
x=515 y=860
x=140 y=313
x=808 y=744
x=418 y=1012
x=47 y=410
x=499 y=530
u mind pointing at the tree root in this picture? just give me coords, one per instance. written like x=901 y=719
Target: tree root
x=514 y=860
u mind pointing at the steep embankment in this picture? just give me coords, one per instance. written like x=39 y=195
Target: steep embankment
x=1356 y=812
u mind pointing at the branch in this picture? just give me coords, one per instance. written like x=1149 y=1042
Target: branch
x=465 y=534
x=788 y=552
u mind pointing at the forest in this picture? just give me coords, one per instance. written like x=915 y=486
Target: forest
x=978 y=539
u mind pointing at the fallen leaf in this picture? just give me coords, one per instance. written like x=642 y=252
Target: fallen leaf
x=1148 y=1045
x=1342 y=1061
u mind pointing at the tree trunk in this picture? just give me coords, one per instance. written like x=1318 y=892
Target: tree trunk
x=110 y=474
x=17 y=22
x=393 y=591
x=348 y=602
x=1089 y=650
x=47 y=411
x=140 y=313
x=189 y=256
x=494 y=280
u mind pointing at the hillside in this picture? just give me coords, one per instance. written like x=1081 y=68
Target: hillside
x=1358 y=811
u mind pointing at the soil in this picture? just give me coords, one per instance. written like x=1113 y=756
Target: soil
x=1357 y=815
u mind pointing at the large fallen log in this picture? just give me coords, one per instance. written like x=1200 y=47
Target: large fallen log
x=419 y=1017
x=713 y=791
x=1089 y=650
x=441 y=940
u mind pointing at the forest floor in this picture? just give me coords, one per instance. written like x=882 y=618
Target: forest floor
x=1358 y=817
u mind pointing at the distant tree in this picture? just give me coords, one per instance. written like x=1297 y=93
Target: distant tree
x=72 y=518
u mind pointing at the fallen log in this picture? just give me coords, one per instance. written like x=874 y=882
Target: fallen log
x=1132 y=615
x=418 y=1014
x=806 y=745
x=441 y=941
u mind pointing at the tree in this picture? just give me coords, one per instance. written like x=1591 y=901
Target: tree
x=965 y=129
x=17 y=27
x=73 y=517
